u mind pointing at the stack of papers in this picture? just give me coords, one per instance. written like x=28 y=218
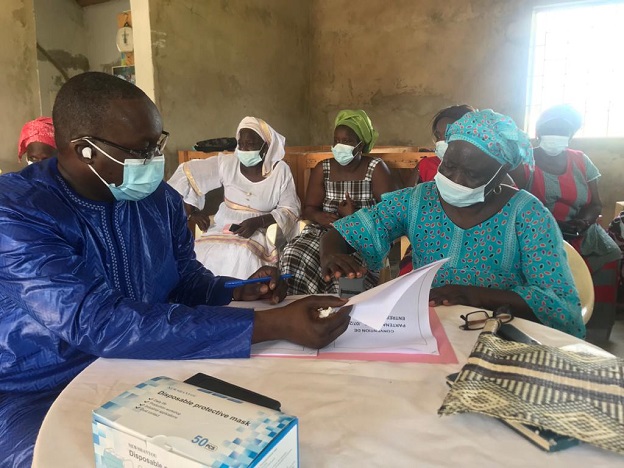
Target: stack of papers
x=388 y=322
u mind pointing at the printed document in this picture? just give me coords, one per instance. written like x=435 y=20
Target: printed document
x=391 y=318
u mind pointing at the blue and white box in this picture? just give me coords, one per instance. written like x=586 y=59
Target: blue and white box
x=165 y=423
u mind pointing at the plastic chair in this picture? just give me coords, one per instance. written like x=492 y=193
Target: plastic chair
x=271 y=231
x=582 y=281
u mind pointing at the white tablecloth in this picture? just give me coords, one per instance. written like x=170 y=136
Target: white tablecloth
x=352 y=414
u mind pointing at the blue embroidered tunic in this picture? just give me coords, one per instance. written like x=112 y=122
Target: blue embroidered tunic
x=81 y=279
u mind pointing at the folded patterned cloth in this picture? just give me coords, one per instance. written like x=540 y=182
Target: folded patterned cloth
x=574 y=394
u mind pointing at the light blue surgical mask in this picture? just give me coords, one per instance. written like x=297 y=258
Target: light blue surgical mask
x=343 y=154
x=249 y=158
x=459 y=195
x=440 y=148
x=554 y=144
x=141 y=177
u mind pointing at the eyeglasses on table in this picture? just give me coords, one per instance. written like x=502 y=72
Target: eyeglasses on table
x=476 y=320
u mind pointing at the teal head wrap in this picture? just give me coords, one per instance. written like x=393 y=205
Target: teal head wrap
x=497 y=135
x=358 y=121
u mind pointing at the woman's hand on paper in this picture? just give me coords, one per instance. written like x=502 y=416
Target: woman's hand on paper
x=300 y=323
x=340 y=265
x=453 y=294
x=481 y=297
x=274 y=291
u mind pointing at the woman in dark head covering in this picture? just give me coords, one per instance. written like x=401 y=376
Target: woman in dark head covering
x=428 y=167
x=502 y=246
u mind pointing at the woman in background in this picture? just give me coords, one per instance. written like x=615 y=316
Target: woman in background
x=566 y=181
x=428 y=167
x=36 y=140
x=337 y=187
x=502 y=244
x=259 y=190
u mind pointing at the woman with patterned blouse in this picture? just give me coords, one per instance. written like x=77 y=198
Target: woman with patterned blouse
x=566 y=182
x=338 y=186
x=502 y=245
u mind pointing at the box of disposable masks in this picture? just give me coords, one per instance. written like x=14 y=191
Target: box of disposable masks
x=165 y=423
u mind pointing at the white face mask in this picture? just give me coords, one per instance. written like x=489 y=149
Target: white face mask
x=554 y=144
x=460 y=195
x=249 y=158
x=440 y=148
x=343 y=153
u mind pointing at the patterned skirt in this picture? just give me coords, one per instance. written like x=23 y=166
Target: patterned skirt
x=301 y=258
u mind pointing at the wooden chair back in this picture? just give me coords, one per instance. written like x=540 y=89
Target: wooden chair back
x=395 y=160
x=302 y=159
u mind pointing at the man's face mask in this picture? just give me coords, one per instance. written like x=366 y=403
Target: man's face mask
x=343 y=154
x=554 y=144
x=141 y=177
x=458 y=195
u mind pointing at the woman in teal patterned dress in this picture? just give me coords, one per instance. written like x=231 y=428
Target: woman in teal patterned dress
x=503 y=245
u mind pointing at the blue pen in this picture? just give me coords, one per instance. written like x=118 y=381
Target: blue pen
x=262 y=279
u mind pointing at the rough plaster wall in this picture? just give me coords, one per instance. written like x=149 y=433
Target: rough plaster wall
x=218 y=61
x=101 y=31
x=404 y=60
x=19 y=90
x=61 y=32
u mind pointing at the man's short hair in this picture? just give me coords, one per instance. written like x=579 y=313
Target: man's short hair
x=82 y=103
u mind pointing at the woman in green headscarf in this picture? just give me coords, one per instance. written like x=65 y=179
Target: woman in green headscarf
x=338 y=187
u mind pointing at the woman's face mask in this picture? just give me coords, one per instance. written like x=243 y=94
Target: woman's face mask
x=141 y=177
x=554 y=145
x=440 y=148
x=459 y=195
x=249 y=158
x=343 y=154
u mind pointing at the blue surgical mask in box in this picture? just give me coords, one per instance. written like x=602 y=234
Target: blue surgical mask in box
x=167 y=423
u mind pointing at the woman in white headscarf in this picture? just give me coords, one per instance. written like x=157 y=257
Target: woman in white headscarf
x=259 y=190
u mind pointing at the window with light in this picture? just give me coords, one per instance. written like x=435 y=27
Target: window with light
x=577 y=58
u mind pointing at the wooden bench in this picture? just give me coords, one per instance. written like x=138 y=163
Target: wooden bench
x=302 y=159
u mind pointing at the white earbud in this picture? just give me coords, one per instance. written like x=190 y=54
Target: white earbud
x=86 y=152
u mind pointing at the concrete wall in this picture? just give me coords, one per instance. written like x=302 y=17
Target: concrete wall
x=216 y=62
x=62 y=33
x=78 y=39
x=142 y=35
x=296 y=62
x=101 y=30
x=404 y=60
x=19 y=89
